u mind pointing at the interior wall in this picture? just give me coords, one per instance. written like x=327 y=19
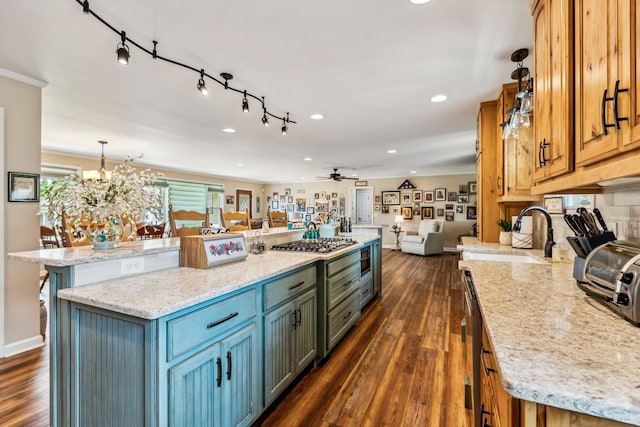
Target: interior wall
x=459 y=226
x=22 y=134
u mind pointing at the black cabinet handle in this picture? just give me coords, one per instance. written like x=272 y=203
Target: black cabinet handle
x=487 y=369
x=347 y=316
x=295 y=318
x=299 y=319
x=296 y=286
x=603 y=111
x=348 y=283
x=616 y=92
x=224 y=319
x=219 y=365
x=542 y=153
x=229 y=365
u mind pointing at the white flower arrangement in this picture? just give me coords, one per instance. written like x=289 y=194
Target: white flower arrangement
x=126 y=193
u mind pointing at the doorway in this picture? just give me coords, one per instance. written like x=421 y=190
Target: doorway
x=243 y=201
x=361 y=205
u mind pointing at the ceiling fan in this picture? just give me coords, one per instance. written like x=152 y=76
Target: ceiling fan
x=336 y=176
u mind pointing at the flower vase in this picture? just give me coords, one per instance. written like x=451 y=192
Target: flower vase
x=505 y=238
x=105 y=229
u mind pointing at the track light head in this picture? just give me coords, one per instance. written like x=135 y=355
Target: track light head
x=123 y=50
x=85 y=7
x=202 y=87
x=245 y=103
x=284 y=127
x=265 y=120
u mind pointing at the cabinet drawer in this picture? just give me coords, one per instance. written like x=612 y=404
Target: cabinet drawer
x=340 y=264
x=289 y=286
x=195 y=328
x=342 y=318
x=366 y=289
x=342 y=284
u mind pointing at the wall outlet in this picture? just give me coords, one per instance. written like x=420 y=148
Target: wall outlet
x=132 y=266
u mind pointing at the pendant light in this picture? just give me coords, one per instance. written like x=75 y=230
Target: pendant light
x=102 y=174
x=123 y=50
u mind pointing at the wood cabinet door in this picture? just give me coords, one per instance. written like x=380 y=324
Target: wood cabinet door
x=553 y=93
x=194 y=390
x=278 y=344
x=596 y=69
x=305 y=334
x=629 y=14
x=240 y=354
x=499 y=147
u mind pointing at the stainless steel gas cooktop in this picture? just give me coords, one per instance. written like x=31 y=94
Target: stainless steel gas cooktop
x=315 y=245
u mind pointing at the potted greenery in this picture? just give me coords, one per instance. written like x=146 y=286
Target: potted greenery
x=505 y=234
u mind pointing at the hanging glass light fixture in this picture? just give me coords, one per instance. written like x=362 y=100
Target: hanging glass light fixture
x=102 y=174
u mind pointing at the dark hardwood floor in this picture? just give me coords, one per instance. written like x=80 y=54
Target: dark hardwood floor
x=401 y=365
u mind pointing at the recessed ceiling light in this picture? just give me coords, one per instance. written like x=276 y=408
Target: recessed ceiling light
x=354 y=175
x=307 y=159
x=419 y=1
x=412 y=172
x=438 y=98
x=391 y=151
x=317 y=116
x=239 y=164
x=229 y=130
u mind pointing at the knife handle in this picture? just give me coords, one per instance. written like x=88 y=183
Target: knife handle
x=598 y=215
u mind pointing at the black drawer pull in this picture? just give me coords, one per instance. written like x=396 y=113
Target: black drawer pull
x=616 y=91
x=296 y=286
x=347 y=316
x=347 y=283
x=219 y=365
x=486 y=367
x=229 y=365
x=224 y=319
x=603 y=111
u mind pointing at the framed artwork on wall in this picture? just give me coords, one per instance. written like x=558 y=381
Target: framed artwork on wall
x=452 y=196
x=471 y=212
x=473 y=187
x=428 y=196
x=463 y=189
x=417 y=196
x=385 y=209
x=440 y=212
x=390 y=197
x=448 y=215
x=24 y=187
x=441 y=194
x=406 y=198
x=407 y=212
x=427 y=212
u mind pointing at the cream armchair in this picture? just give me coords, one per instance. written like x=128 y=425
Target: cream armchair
x=428 y=241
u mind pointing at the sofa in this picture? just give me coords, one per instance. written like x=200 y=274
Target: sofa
x=429 y=240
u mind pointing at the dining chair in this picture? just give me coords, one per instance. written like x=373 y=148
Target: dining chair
x=49 y=240
x=277 y=219
x=151 y=231
x=236 y=221
x=192 y=222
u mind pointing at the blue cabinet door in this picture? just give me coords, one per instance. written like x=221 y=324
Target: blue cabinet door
x=240 y=383
x=195 y=390
x=278 y=343
x=305 y=331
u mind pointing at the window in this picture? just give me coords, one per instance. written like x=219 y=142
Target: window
x=575 y=201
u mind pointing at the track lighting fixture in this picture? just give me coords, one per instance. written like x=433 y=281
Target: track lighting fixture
x=201 y=86
x=123 y=50
x=245 y=103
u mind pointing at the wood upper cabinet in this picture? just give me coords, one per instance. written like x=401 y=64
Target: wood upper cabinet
x=487 y=216
x=553 y=83
x=606 y=101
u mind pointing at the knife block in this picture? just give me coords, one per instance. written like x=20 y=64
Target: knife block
x=592 y=242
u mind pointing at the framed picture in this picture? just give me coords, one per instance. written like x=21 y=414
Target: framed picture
x=395 y=210
x=275 y=196
x=452 y=196
x=289 y=199
x=416 y=210
x=390 y=197
x=323 y=195
x=554 y=205
x=417 y=196
x=376 y=207
x=316 y=196
x=406 y=198
x=290 y=207
x=440 y=212
x=441 y=194
x=471 y=212
x=407 y=212
x=334 y=204
x=463 y=189
x=24 y=187
x=310 y=210
x=473 y=187
x=287 y=191
x=283 y=199
x=459 y=209
x=385 y=209
x=229 y=199
x=448 y=206
x=463 y=199
x=376 y=199
x=274 y=205
x=301 y=204
x=428 y=196
x=448 y=215
x=307 y=218
x=334 y=195
x=427 y=212
x=361 y=183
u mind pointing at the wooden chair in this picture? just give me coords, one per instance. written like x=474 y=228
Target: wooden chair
x=192 y=216
x=151 y=231
x=71 y=237
x=129 y=226
x=236 y=221
x=277 y=219
x=49 y=241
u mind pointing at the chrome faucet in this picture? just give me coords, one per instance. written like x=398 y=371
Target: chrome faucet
x=549 y=243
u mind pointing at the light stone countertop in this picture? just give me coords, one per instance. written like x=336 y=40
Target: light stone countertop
x=157 y=294
x=553 y=344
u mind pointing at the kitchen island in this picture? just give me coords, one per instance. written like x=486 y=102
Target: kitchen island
x=554 y=347
x=130 y=345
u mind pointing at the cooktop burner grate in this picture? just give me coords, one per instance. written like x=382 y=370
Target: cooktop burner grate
x=314 y=245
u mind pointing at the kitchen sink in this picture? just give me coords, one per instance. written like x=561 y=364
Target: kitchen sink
x=499 y=257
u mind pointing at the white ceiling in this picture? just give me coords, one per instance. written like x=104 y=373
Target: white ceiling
x=369 y=66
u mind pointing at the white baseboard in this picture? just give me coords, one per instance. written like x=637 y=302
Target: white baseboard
x=23 y=345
